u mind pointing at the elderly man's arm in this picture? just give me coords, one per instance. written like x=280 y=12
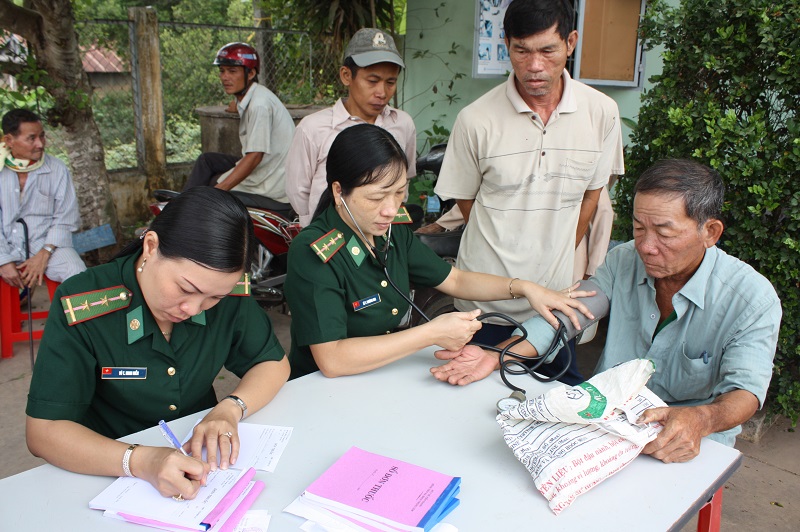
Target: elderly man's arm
x=745 y=375
x=471 y=363
x=684 y=427
x=66 y=215
x=8 y=266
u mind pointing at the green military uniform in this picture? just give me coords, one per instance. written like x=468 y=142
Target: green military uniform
x=336 y=289
x=150 y=378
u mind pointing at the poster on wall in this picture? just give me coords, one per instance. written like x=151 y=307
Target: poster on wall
x=490 y=54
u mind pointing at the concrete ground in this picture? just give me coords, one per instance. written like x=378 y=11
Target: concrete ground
x=762 y=494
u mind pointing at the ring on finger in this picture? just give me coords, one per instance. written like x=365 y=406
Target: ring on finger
x=229 y=434
x=569 y=293
x=178 y=497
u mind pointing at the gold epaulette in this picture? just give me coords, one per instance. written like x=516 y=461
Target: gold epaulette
x=89 y=305
x=402 y=216
x=242 y=287
x=327 y=246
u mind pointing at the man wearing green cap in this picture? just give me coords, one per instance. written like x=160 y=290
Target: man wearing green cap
x=369 y=71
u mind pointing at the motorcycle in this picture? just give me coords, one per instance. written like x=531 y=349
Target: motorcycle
x=274 y=230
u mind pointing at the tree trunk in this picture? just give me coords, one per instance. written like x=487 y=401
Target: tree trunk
x=265 y=47
x=49 y=27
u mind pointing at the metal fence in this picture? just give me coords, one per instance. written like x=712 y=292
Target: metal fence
x=298 y=68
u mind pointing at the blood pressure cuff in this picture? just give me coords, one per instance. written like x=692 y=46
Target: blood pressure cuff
x=541 y=333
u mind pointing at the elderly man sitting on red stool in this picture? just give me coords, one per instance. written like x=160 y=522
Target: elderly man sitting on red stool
x=709 y=321
x=36 y=188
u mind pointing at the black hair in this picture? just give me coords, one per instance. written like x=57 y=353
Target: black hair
x=349 y=63
x=205 y=225
x=247 y=73
x=527 y=17
x=15 y=117
x=360 y=155
x=701 y=187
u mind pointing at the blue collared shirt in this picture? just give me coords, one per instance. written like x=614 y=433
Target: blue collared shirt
x=723 y=339
x=47 y=204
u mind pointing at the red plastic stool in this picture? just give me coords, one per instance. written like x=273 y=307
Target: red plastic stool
x=709 y=518
x=11 y=317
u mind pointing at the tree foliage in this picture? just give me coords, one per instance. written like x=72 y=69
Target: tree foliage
x=339 y=18
x=728 y=97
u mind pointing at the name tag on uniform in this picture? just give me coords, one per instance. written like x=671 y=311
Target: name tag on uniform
x=366 y=302
x=123 y=373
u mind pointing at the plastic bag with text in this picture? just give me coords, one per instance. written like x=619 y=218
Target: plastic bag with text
x=574 y=437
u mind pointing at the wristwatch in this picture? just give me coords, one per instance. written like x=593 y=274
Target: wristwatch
x=239 y=402
x=48 y=248
x=507 y=403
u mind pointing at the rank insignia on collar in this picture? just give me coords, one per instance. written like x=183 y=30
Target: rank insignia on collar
x=356 y=253
x=242 y=287
x=88 y=305
x=135 y=319
x=327 y=246
x=402 y=216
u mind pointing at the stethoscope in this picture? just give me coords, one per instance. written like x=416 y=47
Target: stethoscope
x=510 y=366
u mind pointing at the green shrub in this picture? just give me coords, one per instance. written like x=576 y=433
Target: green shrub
x=728 y=97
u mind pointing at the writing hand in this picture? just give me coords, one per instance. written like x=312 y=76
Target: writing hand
x=170 y=472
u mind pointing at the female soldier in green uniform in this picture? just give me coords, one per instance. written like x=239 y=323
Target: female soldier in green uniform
x=143 y=337
x=343 y=305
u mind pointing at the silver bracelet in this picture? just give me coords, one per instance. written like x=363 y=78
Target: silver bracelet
x=126 y=460
x=513 y=296
x=239 y=402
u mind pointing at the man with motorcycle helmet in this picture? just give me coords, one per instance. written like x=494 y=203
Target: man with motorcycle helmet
x=265 y=131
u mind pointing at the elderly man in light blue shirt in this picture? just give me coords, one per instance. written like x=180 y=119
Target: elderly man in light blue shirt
x=709 y=321
x=38 y=189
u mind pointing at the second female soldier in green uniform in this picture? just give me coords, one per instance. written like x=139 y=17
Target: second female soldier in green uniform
x=343 y=305
x=143 y=337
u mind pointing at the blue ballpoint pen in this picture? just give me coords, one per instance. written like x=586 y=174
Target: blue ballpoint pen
x=170 y=436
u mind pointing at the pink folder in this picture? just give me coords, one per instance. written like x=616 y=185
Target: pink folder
x=390 y=491
x=214 y=515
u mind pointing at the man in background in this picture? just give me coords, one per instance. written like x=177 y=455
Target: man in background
x=526 y=164
x=265 y=131
x=37 y=188
x=370 y=70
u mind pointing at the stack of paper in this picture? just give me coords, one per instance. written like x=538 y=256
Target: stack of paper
x=220 y=506
x=366 y=491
